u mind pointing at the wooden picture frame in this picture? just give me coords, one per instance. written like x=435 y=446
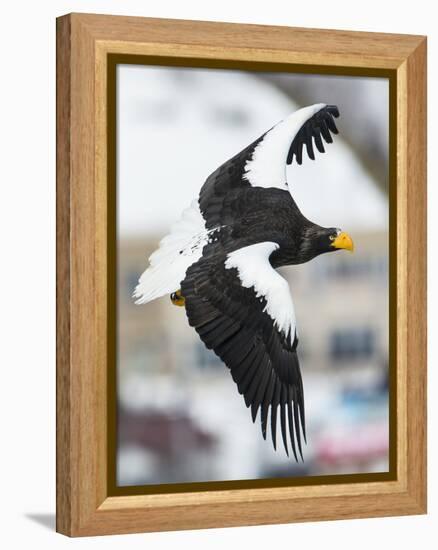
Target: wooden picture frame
x=88 y=46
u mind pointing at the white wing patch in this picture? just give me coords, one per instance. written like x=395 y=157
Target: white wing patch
x=267 y=168
x=181 y=248
x=254 y=270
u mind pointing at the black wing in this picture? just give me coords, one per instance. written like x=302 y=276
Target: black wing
x=227 y=183
x=230 y=319
x=317 y=127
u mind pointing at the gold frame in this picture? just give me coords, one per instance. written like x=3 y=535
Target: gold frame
x=88 y=46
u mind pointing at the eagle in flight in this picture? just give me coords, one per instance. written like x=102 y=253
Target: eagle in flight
x=220 y=262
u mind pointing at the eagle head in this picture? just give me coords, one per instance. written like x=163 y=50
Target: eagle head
x=319 y=240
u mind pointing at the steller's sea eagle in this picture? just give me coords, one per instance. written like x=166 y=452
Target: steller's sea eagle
x=220 y=262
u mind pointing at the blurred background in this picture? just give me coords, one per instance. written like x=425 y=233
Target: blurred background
x=180 y=417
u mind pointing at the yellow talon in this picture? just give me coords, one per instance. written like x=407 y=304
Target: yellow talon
x=177 y=298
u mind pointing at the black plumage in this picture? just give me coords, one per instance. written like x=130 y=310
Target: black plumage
x=231 y=319
x=246 y=314
x=321 y=124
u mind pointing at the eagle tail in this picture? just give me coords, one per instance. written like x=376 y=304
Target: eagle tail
x=177 y=251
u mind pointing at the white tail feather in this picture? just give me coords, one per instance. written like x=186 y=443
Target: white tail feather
x=177 y=251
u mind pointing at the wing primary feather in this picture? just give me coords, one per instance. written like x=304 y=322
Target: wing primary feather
x=267 y=399
x=283 y=400
x=301 y=408
x=290 y=154
x=237 y=374
x=299 y=152
x=290 y=422
x=297 y=423
x=259 y=375
x=332 y=109
x=261 y=390
x=309 y=145
x=331 y=125
x=244 y=372
x=309 y=148
x=274 y=412
x=325 y=132
x=250 y=373
x=318 y=140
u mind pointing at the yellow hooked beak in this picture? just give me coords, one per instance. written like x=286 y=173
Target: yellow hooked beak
x=343 y=240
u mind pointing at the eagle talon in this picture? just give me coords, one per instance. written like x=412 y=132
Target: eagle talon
x=177 y=298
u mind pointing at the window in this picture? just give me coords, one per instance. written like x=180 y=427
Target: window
x=355 y=343
x=372 y=268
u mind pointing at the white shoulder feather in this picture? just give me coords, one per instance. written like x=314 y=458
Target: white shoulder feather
x=176 y=253
x=254 y=270
x=267 y=167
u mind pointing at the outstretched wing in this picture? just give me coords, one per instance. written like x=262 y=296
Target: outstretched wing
x=242 y=309
x=263 y=163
